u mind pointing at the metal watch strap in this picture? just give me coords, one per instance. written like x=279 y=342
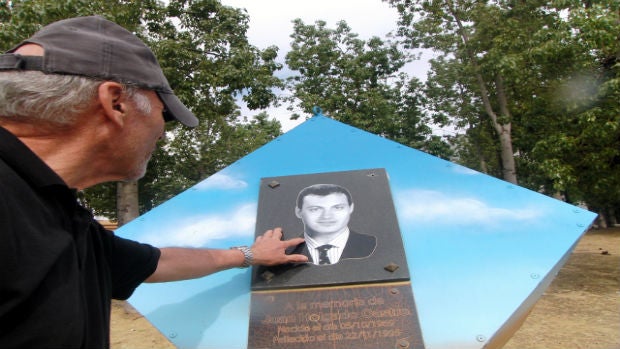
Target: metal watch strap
x=248 y=256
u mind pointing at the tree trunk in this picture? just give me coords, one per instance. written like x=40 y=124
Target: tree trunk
x=483 y=161
x=126 y=201
x=602 y=220
x=503 y=126
x=611 y=217
x=507 y=154
x=483 y=165
x=504 y=130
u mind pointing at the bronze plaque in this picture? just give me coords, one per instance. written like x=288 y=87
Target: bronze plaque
x=362 y=316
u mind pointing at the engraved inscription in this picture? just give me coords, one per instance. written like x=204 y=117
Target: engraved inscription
x=345 y=317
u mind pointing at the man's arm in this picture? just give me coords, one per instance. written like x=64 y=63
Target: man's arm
x=190 y=263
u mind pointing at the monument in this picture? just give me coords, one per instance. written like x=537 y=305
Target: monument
x=478 y=251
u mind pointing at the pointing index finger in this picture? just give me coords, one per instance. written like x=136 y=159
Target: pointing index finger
x=294 y=242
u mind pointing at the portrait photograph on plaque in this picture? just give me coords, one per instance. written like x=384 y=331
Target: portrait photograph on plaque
x=349 y=224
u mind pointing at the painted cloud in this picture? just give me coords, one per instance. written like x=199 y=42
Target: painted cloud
x=439 y=208
x=221 y=181
x=199 y=231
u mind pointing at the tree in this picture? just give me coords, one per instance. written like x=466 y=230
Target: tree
x=210 y=64
x=547 y=71
x=203 y=50
x=582 y=156
x=357 y=82
x=484 y=46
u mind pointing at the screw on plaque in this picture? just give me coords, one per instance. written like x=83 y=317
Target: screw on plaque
x=402 y=343
x=274 y=184
x=391 y=267
x=267 y=275
x=394 y=291
x=316 y=110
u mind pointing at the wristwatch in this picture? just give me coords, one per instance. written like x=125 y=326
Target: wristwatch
x=248 y=256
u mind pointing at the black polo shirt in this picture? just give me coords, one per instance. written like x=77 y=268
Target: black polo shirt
x=59 y=268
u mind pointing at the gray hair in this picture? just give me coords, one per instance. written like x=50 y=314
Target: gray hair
x=53 y=98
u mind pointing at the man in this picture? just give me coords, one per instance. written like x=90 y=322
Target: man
x=325 y=210
x=83 y=102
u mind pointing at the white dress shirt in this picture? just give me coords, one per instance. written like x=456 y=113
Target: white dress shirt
x=333 y=253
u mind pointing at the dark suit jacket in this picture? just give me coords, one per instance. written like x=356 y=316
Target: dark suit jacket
x=358 y=246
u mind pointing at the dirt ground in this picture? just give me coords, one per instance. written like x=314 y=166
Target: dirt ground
x=580 y=310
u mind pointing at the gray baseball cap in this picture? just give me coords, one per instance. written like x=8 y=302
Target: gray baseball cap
x=95 y=47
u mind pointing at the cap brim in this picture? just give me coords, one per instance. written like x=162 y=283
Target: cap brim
x=176 y=110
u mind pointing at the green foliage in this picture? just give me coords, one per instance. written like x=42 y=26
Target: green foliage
x=480 y=61
x=478 y=149
x=358 y=82
x=581 y=153
x=203 y=50
x=209 y=63
x=557 y=63
x=235 y=140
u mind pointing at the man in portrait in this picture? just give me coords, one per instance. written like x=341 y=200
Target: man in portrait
x=325 y=210
x=348 y=239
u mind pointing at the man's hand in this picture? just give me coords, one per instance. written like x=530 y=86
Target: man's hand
x=269 y=249
x=189 y=263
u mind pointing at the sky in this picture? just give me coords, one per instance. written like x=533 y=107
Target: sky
x=271 y=24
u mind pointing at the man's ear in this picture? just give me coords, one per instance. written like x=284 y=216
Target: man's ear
x=351 y=208
x=297 y=212
x=113 y=101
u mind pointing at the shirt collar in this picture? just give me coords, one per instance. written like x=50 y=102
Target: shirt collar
x=339 y=241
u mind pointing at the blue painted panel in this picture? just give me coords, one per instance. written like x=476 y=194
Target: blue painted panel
x=480 y=250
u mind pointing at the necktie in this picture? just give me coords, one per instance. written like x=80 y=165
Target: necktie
x=323 y=259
